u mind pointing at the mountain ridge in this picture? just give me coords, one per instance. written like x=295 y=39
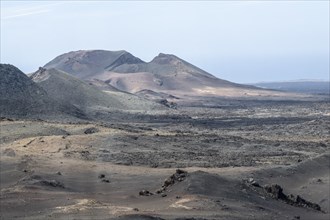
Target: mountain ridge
x=101 y=64
x=165 y=73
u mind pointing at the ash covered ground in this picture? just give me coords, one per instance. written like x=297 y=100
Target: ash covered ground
x=244 y=160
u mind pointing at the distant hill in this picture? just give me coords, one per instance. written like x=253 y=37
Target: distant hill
x=299 y=86
x=86 y=63
x=21 y=97
x=166 y=74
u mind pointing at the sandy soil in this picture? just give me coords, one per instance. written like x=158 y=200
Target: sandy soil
x=232 y=157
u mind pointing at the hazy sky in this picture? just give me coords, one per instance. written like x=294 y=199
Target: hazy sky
x=241 y=41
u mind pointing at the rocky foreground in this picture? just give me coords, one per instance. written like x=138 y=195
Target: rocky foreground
x=248 y=161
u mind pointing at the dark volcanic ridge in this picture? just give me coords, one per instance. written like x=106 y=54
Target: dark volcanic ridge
x=51 y=94
x=21 y=97
x=216 y=188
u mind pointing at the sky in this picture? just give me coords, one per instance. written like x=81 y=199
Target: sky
x=240 y=41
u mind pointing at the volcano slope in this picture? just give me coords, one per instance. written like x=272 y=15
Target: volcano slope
x=86 y=96
x=241 y=161
x=165 y=74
